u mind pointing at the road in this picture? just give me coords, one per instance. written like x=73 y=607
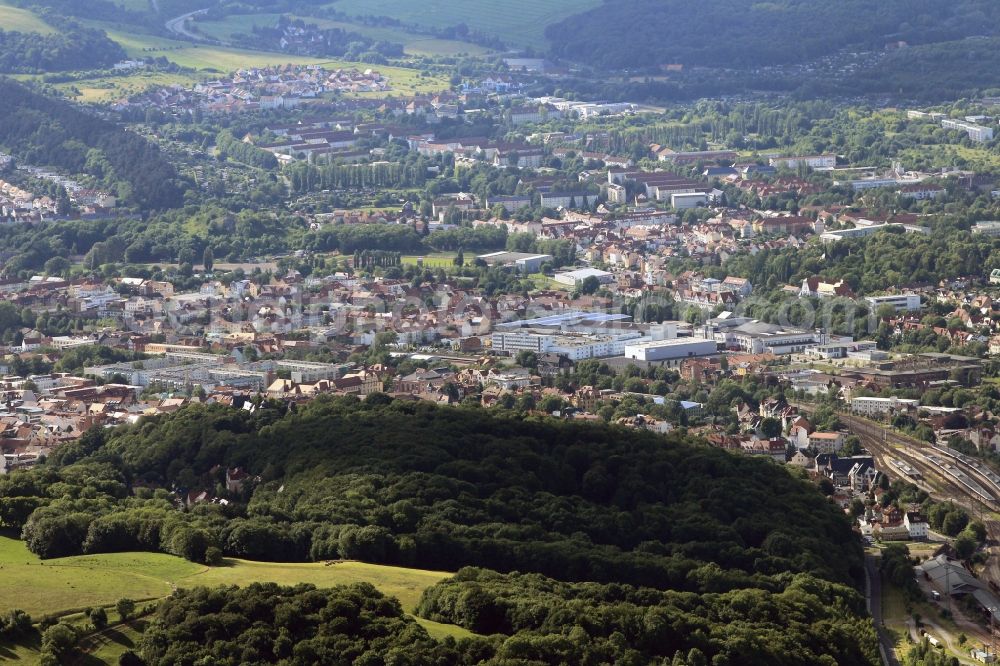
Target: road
x=178 y=25
x=874 y=593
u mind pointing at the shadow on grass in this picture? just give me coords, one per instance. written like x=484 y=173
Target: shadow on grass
x=33 y=642
x=116 y=636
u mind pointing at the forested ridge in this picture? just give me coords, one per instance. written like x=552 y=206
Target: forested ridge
x=70 y=47
x=741 y=35
x=615 y=524
x=48 y=132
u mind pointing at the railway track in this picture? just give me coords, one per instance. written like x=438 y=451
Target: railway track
x=961 y=482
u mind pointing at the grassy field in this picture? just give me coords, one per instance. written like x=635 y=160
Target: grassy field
x=111 y=88
x=437 y=259
x=21 y=20
x=76 y=582
x=197 y=56
x=544 y=282
x=211 y=61
x=66 y=585
x=59 y=585
x=517 y=22
x=894 y=613
x=412 y=44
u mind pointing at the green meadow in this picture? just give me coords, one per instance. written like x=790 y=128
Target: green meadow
x=65 y=586
x=517 y=22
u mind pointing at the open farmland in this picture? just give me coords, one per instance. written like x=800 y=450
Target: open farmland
x=517 y=22
x=21 y=20
x=413 y=44
x=209 y=61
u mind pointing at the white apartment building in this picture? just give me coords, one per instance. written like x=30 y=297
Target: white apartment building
x=901 y=302
x=870 y=406
x=811 y=161
x=978 y=133
x=916 y=524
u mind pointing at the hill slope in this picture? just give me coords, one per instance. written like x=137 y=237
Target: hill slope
x=642 y=34
x=49 y=132
x=660 y=525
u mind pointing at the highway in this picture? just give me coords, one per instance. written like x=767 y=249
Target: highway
x=178 y=25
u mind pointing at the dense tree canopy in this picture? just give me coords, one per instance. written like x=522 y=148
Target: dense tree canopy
x=269 y=624
x=644 y=34
x=442 y=488
x=48 y=132
x=71 y=47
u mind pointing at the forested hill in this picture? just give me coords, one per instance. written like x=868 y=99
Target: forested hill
x=48 y=132
x=70 y=47
x=643 y=543
x=641 y=34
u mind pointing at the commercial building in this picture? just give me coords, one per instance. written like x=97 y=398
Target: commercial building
x=182 y=370
x=757 y=337
x=685 y=200
x=989 y=228
x=920 y=371
x=522 y=261
x=573 y=278
x=511 y=204
x=576 y=335
x=863 y=232
x=568 y=199
x=840 y=350
x=952 y=580
x=670 y=349
x=574 y=346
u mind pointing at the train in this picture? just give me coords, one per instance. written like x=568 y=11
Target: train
x=904 y=469
x=959 y=476
x=992 y=478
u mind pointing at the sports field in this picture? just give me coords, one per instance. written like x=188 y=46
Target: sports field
x=437 y=259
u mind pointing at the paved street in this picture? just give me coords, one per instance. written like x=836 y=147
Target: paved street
x=874 y=589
